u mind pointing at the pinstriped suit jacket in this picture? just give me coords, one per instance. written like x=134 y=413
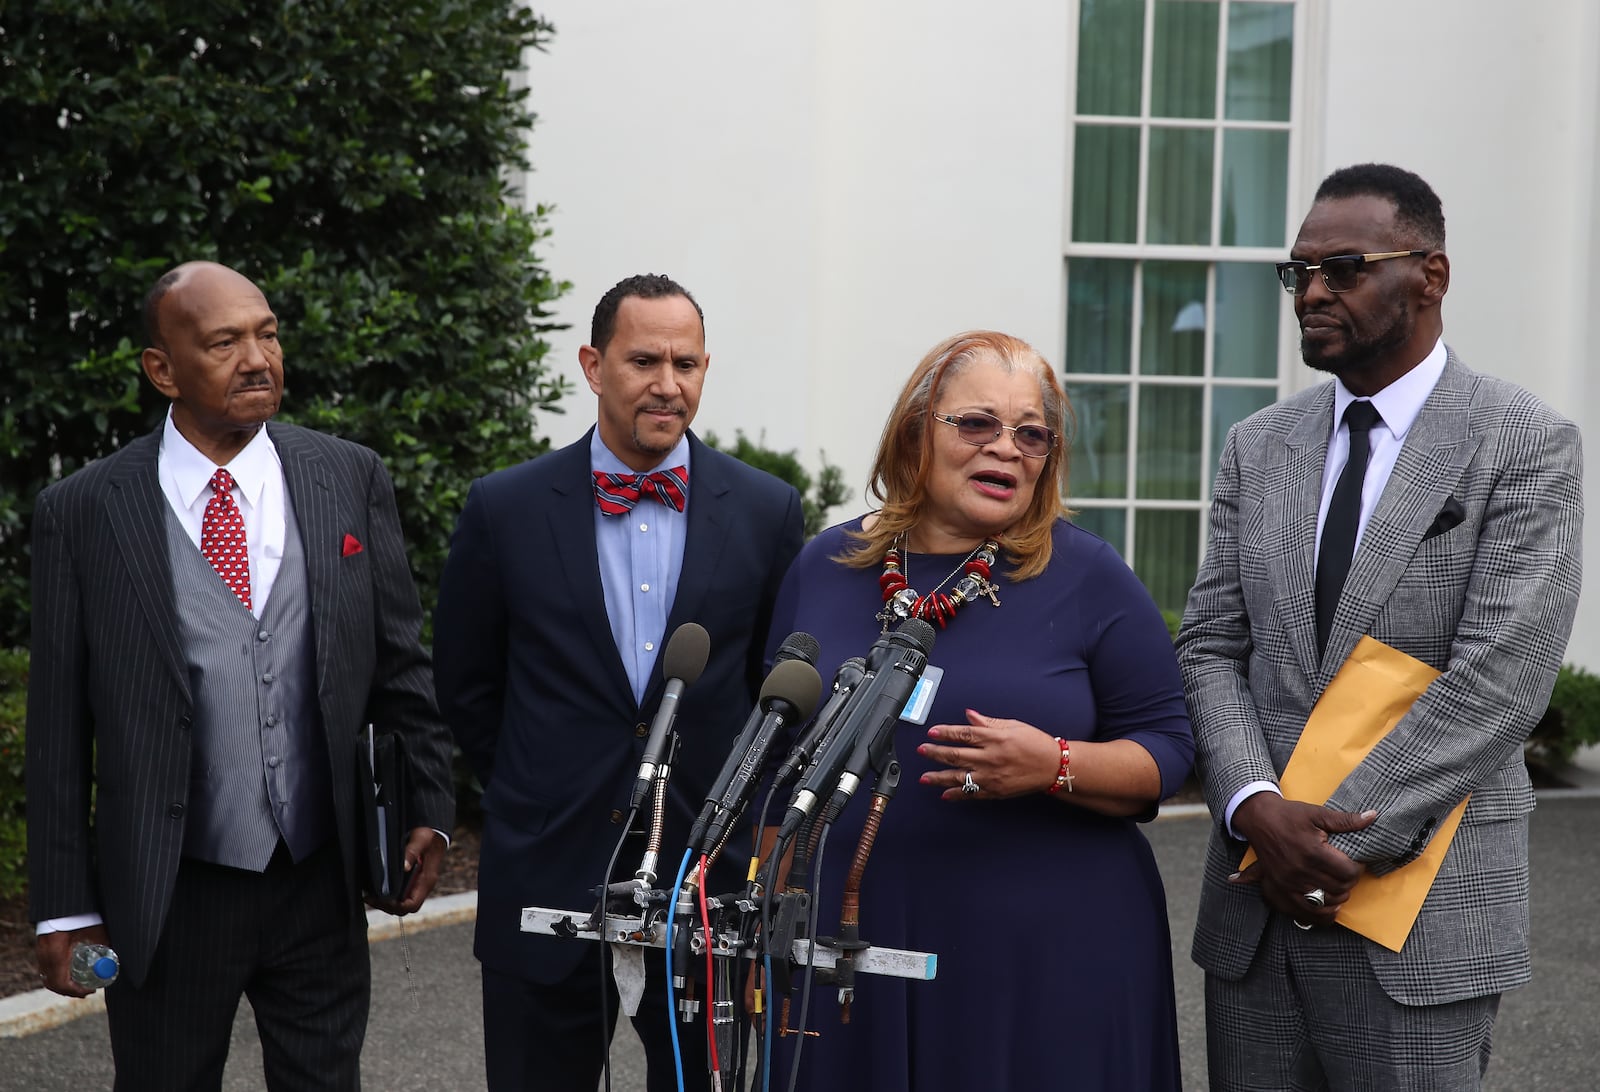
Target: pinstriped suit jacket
x=1483 y=589
x=109 y=698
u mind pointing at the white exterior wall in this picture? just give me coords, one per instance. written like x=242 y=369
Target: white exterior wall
x=842 y=185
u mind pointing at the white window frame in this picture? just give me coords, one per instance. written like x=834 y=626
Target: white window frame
x=1304 y=128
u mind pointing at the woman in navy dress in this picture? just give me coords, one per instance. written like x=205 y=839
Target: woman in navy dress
x=1012 y=848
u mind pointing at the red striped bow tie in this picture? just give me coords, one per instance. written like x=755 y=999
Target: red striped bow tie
x=618 y=493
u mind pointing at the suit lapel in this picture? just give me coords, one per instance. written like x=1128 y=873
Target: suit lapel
x=136 y=510
x=571 y=523
x=1437 y=449
x=308 y=483
x=1290 y=509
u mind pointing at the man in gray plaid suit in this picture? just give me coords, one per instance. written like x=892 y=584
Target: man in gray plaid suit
x=1440 y=511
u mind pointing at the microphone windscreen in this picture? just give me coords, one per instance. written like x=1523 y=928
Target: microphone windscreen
x=795 y=682
x=920 y=633
x=798 y=646
x=687 y=651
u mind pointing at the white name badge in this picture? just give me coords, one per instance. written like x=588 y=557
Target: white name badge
x=921 y=700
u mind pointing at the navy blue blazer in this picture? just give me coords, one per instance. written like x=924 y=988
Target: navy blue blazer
x=531 y=682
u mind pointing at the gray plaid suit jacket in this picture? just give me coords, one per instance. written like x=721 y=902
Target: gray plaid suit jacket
x=109 y=696
x=1470 y=563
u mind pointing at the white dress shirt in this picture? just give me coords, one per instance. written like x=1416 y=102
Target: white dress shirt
x=185 y=477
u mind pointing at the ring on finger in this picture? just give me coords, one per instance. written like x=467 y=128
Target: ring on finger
x=1317 y=897
x=969 y=786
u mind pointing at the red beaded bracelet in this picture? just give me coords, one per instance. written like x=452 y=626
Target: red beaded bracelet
x=1063 y=777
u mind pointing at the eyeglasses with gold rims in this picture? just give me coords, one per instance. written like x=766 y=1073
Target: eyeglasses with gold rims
x=1340 y=273
x=978 y=429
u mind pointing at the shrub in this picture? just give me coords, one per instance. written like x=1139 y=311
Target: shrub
x=816 y=498
x=1572 y=721
x=355 y=158
x=13 y=820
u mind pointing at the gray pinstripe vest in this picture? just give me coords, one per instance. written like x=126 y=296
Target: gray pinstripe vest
x=260 y=764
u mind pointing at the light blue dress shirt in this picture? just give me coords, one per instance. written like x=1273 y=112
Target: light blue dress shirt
x=641 y=558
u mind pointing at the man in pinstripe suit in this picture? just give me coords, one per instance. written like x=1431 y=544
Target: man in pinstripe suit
x=218 y=608
x=1440 y=511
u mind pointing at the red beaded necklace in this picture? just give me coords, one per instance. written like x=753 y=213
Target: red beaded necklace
x=902 y=601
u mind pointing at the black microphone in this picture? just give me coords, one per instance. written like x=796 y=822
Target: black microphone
x=875 y=739
x=894 y=665
x=850 y=675
x=681 y=662
x=788 y=697
x=796 y=646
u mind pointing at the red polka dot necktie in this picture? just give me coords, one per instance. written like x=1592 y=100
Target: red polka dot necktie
x=222 y=537
x=618 y=493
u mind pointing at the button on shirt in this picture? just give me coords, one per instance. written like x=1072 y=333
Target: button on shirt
x=641 y=558
x=1399 y=404
x=185 y=477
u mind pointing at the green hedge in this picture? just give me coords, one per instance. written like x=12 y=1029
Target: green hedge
x=1572 y=721
x=355 y=158
x=817 y=495
x=13 y=799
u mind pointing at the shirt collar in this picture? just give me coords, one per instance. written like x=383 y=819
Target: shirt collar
x=1400 y=402
x=602 y=459
x=192 y=471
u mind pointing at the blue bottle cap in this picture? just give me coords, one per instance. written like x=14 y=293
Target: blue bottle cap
x=105 y=967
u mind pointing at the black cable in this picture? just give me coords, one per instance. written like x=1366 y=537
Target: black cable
x=605 y=949
x=811 y=959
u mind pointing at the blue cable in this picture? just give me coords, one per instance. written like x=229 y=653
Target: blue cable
x=672 y=1012
x=766 y=1014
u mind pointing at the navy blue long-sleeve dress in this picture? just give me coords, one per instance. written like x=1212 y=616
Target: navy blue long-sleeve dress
x=1049 y=921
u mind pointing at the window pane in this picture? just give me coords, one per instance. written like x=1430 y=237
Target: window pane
x=1172 y=330
x=1169 y=443
x=1166 y=555
x=1183 y=72
x=1180 y=186
x=1110 y=524
x=1260 y=55
x=1105 y=183
x=1110 y=55
x=1100 y=447
x=1249 y=304
x=1255 y=185
x=1229 y=406
x=1099 y=315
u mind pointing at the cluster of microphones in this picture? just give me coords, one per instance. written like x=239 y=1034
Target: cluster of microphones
x=847 y=744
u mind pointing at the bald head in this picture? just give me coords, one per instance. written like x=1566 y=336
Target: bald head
x=172 y=279
x=214 y=352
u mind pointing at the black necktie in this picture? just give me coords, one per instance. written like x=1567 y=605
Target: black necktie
x=1344 y=516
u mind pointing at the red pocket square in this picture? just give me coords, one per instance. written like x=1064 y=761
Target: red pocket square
x=352 y=545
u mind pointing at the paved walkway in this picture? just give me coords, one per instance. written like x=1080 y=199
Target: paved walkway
x=425 y=1029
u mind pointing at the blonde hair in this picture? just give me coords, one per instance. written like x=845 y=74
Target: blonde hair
x=905 y=456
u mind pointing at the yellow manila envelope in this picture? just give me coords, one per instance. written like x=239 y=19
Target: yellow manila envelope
x=1367 y=698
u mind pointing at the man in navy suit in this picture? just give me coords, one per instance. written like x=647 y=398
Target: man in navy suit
x=553 y=608
x=218 y=609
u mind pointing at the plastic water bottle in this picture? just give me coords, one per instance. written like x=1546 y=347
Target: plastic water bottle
x=94 y=966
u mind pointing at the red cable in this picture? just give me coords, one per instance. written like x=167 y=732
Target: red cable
x=711 y=981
